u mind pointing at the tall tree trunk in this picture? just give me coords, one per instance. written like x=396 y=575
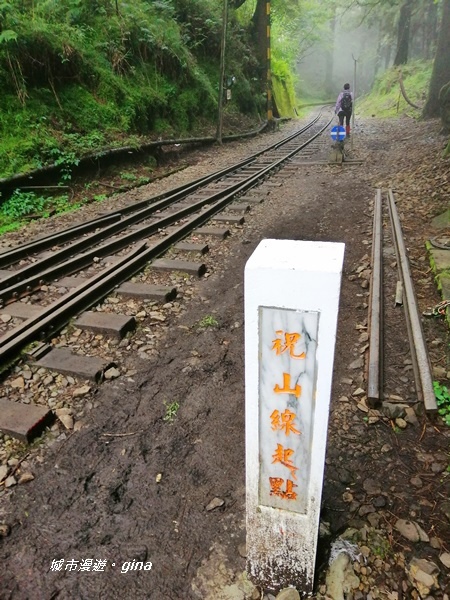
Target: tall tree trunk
x=441 y=66
x=432 y=29
x=377 y=63
x=259 y=20
x=329 y=57
x=387 y=57
x=427 y=29
x=404 y=23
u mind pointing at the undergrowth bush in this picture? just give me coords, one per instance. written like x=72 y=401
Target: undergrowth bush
x=105 y=72
x=386 y=100
x=21 y=204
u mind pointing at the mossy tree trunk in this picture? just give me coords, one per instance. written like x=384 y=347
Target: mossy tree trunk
x=441 y=68
x=404 y=24
x=430 y=30
x=259 y=31
x=259 y=20
x=260 y=23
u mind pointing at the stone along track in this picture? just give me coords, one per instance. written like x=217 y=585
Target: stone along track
x=39 y=298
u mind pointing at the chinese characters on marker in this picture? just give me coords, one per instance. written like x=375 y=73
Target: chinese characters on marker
x=285 y=421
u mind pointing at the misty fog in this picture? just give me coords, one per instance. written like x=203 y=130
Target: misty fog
x=360 y=45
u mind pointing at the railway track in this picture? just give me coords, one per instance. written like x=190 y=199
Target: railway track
x=40 y=298
x=404 y=296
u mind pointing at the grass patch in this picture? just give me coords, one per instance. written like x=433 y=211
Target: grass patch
x=208 y=322
x=22 y=206
x=443 y=401
x=6 y=227
x=386 y=100
x=171 y=411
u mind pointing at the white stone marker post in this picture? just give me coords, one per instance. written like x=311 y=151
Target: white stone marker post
x=291 y=307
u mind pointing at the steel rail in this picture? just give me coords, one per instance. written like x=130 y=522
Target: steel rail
x=30 y=278
x=59 y=313
x=140 y=212
x=400 y=286
x=213 y=177
x=59 y=237
x=90 y=292
x=15 y=254
x=63 y=262
x=11 y=284
x=157 y=202
x=424 y=380
x=399 y=295
x=80 y=261
x=375 y=361
x=9 y=257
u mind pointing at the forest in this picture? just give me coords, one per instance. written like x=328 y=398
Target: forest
x=79 y=76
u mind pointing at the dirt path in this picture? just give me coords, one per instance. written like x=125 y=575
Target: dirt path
x=131 y=486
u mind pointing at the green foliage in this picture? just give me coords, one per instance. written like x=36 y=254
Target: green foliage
x=446 y=151
x=386 y=100
x=66 y=161
x=100 y=197
x=297 y=26
x=245 y=98
x=8 y=36
x=8 y=227
x=171 y=411
x=128 y=176
x=283 y=87
x=77 y=75
x=201 y=24
x=380 y=547
x=21 y=204
x=133 y=178
x=443 y=401
x=61 y=204
x=208 y=321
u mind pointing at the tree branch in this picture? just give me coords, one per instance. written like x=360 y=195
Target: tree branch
x=402 y=88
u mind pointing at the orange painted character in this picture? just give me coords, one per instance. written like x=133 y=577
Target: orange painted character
x=275 y=488
x=286 y=389
x=290 y=339
x=283 y=456
x=284 y=421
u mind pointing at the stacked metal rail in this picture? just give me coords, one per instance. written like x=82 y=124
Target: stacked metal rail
x=419 y=353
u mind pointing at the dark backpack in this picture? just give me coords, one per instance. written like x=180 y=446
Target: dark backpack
x=346 y=102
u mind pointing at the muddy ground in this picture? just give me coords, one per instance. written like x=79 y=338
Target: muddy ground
x=132 y=484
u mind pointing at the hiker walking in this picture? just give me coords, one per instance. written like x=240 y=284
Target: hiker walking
x=344 y=107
